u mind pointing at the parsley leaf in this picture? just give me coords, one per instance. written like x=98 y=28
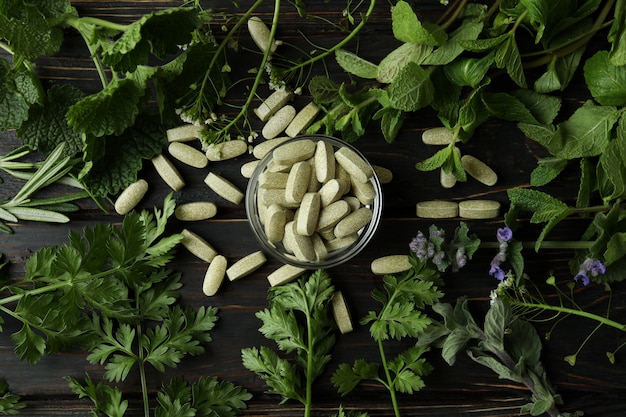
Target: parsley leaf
x=403 y=297
x=299 y=320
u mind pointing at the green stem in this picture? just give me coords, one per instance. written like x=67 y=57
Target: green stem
x=142 y=371
x=309 y=368
x=76 y=23
x=598 y=24
x=390 y=384
x=566 y=310
x=259 y=75
x=456 y=11
x=339 y=45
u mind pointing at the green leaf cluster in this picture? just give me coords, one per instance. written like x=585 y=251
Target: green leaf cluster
x=109 y=291
x=506 y=344
x=403 y=299
x=117 y=123
x=299 y=320
x=25 y=205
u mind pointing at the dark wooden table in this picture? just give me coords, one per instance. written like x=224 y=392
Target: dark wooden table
x=593 y=385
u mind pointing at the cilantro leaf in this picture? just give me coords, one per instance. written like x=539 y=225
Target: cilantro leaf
x=207 y=396
x=347 y=377
x=107 y=400
x=310 y=342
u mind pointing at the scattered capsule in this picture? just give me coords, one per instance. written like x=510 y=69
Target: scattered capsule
x=437 y=136
x=437 y=209
x=194 y=211
x=187 y=154
x=260 y=34
x=185 y=133
x=214 y=276
x=302 y=120
x=341 y=313
x=285 y=274
x=131 y=196
x=168 y=172
x=278 y=122
x=390 y=264
x=223 y=188
x=479 y=170
x=197 y=246
x=479 y=209
x=246 y=265
x=277 y=100
x=226 y=150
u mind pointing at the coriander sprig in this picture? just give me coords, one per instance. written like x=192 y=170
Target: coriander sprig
x=403 y=299
x=299 y=321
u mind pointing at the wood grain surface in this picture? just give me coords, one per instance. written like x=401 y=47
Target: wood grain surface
x=593 y=385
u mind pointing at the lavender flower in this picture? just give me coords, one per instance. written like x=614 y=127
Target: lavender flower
x=504 y=235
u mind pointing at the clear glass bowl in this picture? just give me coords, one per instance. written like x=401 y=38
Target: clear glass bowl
x=277 y=250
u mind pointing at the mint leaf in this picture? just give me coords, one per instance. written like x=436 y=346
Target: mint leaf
x=543 y=206
x=396 y=60
x=323 y=89
x=546 y=170
x=544 y=108
x=435 y=161
x=355 y=65
x=507 y=56
x=586 y=132
x=617 y=36
x=412 y=88
x=407 y=27
x=47 y=126
x=469 y=30
x=507 y=107
x=469 y=71
x=108 y=112
x=606 y=82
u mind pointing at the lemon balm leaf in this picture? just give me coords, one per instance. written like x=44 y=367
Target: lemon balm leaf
x=108 y=112
x=47 y=126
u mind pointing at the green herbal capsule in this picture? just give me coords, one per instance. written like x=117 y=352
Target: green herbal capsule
x=185 y=133
x=285 y=274
x=341 y=313
x=479 y=209
x=187 y=154
x=226 y=150
x=131 y=196
x=437 y=209
x=479 y=170
x=223 y=188
x=214 y=276
x=391 y=264
x=246 y=265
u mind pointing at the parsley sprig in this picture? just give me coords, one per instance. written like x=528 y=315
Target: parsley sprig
x=109 y=290
x=299 y=320
x=403 y=299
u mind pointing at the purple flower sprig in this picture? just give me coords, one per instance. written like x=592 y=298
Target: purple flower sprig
x=454 y=254
x=588 y=267
x=504 y=235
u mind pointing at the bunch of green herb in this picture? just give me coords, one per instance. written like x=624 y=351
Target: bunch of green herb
x=113 y=129
x=23 y=205
x=403 y=299
x=449 y=66
x=506 y=344
x=171 y=51
x=109 y=291
x=299 y=320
